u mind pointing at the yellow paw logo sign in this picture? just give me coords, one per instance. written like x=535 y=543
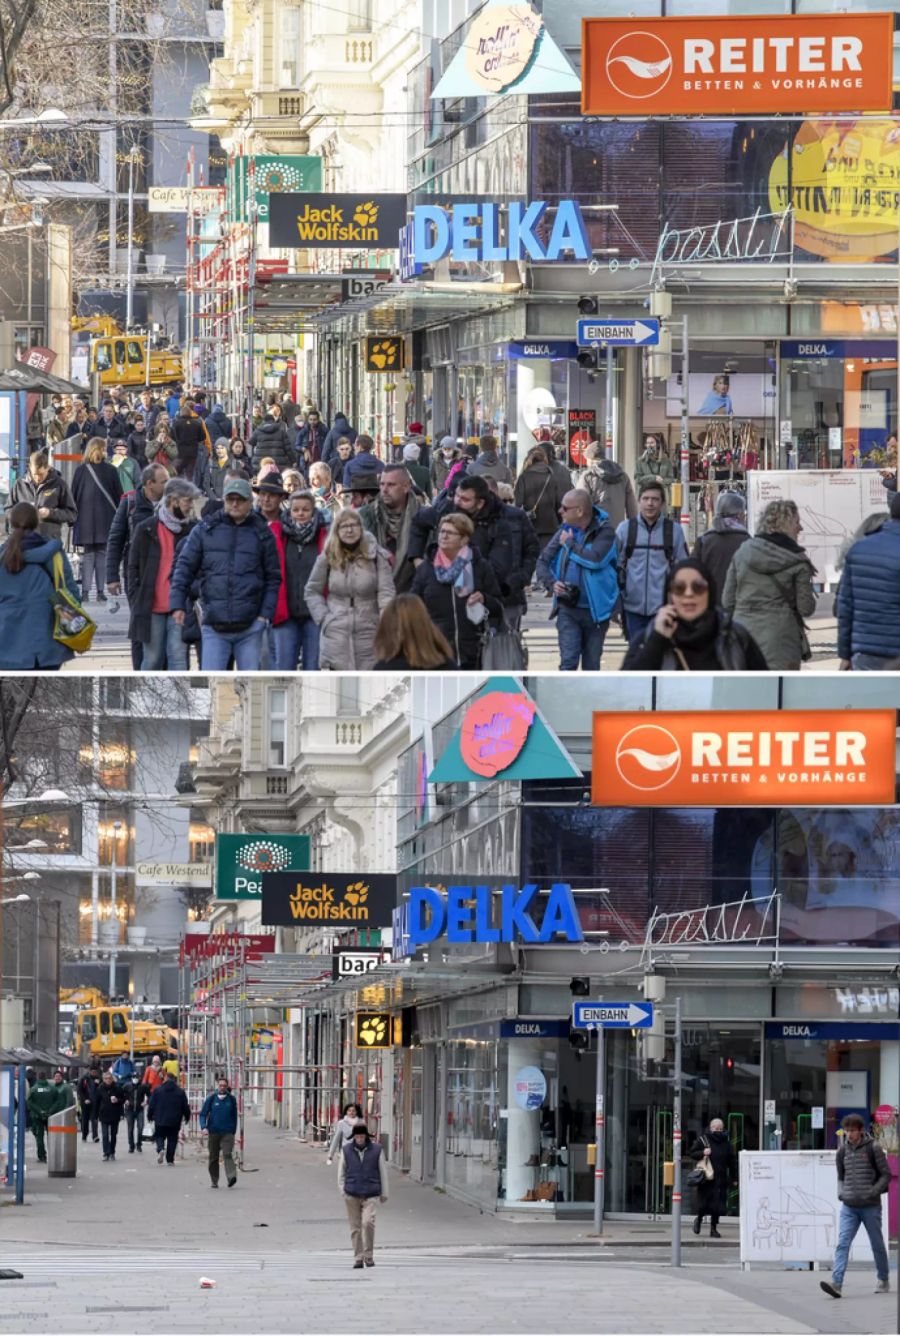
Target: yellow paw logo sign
x=357 y=893
x=373 y=1029
x=366 y=215
x=384 y=354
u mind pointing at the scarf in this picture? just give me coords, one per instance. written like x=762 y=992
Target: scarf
x=458 y=572
x=392 y=528
x=301 y=533
x=174 y=523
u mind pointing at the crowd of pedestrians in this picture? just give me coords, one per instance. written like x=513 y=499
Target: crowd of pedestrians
x=293 y=548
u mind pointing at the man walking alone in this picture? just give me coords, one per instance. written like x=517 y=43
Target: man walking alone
x=218 y=1120
x=863 y=1175
x=362 y=1178
x=168 y=1109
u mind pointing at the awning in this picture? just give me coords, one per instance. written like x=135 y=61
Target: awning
x=33 y=381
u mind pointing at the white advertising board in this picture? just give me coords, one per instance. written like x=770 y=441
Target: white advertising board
x=832 y=504
x=790 y=1208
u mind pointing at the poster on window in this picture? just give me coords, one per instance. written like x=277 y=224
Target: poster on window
x=722 y=394
x=581 y=427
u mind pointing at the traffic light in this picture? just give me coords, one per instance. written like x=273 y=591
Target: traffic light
x=580 y=986
x=587 y=306
x=659 y=359
x=580 y=1040
x=588 y=358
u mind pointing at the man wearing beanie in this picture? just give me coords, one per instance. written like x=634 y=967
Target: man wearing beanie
x=418 y=472
x=443 y=462
x=362 y=1178
x=868 y=602
x=716 y=547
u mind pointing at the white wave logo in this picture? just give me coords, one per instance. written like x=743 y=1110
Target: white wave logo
x=649 y=760
x=639 y=65
x=648 y=757
x=642 y=69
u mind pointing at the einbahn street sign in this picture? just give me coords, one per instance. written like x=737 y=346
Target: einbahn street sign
x=612 y=1015
x=622 y=333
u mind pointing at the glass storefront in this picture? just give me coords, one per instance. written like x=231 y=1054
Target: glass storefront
x=838 y=402
x=476 y=1089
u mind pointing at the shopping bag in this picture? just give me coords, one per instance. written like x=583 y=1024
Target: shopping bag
x=72 y=626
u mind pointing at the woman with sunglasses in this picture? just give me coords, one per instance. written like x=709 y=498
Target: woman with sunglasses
x=690 y=633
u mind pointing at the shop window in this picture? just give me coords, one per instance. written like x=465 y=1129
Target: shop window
x=202 y=842
x=46 y=832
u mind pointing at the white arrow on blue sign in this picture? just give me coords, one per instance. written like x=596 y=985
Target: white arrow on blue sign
x=625 y=333
x=612 y=1015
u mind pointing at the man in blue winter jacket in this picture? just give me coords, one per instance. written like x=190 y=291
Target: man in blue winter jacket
x=578 y=566
x=232 y=554
x=218 y=1121
x=868 y=603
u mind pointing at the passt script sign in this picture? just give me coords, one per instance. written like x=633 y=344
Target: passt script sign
x=717 y=758
x=737 y=65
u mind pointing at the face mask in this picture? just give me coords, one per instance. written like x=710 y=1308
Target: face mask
x=319 y=491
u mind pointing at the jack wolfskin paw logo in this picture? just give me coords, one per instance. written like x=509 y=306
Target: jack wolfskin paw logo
x=383 y=354
x=372 y=1030
x=366 y=215
x=357 y=893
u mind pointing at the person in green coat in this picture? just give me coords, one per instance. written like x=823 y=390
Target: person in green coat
x=769 y=587
x=65 y=1095
x=41 y=1102
x=128 y=467
x=654 y=464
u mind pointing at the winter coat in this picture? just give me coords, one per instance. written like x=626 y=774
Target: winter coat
x=609 y=487
x=440 y=467
x=272 y=439
x=219 y=1113
x=116 y=430
x=363 y=1173
x=219 y=424
x=730 y=648
x=539 y=492
x=131 y=512
x=860 y=1182
x=343 y=1132
x=168 y=1107
x=647 y=569
x=87 y=1091
x=312 y=440
x=420 y=476
x=493 y=536
x=712 y=1193
x=189 y=433
x=348 y=616
x=26 y=610
x=660 y=467
x=96 y=511
x=107 y=1111
x=201 y=478
x=716 y=549
x=237 y=568
x=217 y=479
x=868 y=603
x=359 y=465
x=526 y=549
x=589 y=561
x=339 y=427
x=488 y=464
x=53 y=494
x=143 y=567
x=299 y=559
x=769 y=590
x=448 y=611
x=129 y=472
x=137 y=447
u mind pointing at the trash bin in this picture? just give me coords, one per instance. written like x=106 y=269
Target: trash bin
x=62 y=1143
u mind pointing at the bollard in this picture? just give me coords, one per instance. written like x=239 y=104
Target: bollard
x=62 y=1143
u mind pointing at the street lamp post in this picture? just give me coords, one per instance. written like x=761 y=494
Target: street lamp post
x=133 y=157
x=117 y=826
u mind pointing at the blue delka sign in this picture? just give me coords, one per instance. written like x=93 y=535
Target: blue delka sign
x=473 y=232
x=465 y=914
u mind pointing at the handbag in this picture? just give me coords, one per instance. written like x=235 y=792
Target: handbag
x=72 y=626
x=102 y=488
x=533 y=510
x=504 y=651
x=704 y=1168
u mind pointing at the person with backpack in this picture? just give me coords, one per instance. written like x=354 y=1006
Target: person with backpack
x=578 y=566
x=608 y=486
x=863 y=1177
x=648 y=547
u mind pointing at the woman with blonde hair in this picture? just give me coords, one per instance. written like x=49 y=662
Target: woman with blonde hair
x=459 y=589
x=350 y=586
x=97 y=490
x=408 y=638
x=769 y=587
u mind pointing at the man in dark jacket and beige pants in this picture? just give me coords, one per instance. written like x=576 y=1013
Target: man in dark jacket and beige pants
x=863 y=1175
x=362 y=1178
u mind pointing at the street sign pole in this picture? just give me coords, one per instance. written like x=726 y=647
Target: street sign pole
x=685 y=431
x=676 y=1143
x=600 y=1137
x=608 y=442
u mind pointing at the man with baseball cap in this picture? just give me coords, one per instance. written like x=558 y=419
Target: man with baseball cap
x=233 y=557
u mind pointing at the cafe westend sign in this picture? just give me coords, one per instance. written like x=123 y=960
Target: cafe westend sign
x=737 y=65
x=759 y=758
